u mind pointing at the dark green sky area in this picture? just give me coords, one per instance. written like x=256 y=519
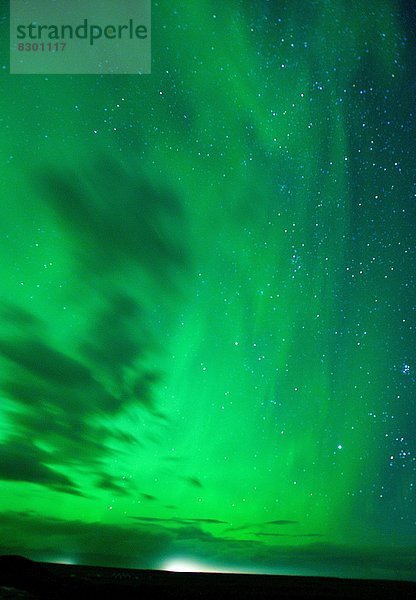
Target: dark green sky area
x=207 y=300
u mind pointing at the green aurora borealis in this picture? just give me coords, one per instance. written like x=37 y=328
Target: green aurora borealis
x=207 y=303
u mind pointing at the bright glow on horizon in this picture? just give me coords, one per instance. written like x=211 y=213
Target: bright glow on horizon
x=184 y=565
x=63 y=561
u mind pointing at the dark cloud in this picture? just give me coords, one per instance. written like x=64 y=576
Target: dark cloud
x=56 y=393
x=160 y=520
x=194 y=481
x=290 y=535
x=45 y=362
x=309 y=535
x=153 y=519
x=117 y=216
x=194 y=533
x=121 y=436
x=142 y=390
x=240 y=528
x=112 y=342
x=15 y=315
x=91 y=397
x=148 y=497
x=110 y=484
x=265 y=524
x=52 y=409
x=118 y=228
x=281 y=522
x=75 y=441
x=22 y=461
x=117 y=340
x=272 y=535
x=178 y=521
x=210 y=521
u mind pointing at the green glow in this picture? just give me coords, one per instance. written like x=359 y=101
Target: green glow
x=207 y=305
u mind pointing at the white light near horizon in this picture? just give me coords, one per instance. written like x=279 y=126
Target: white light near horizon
x=63 y=561
x=183 y=565
x=178 y=565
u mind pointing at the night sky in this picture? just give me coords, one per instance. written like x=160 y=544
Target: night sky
x=207 y=296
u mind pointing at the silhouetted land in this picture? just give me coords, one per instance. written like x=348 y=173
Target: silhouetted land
x=26 y=579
